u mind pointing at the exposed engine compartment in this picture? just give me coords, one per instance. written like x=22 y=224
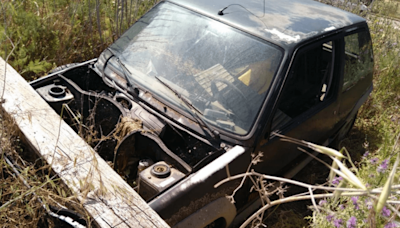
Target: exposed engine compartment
x=136 y=143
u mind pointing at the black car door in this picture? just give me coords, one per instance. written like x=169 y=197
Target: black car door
x=307 y=104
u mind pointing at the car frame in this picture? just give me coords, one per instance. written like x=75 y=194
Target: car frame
x=322 y=78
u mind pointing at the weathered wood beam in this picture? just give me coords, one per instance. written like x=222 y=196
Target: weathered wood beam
x=104 y=194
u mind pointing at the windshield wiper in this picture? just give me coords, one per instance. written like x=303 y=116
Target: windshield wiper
x=192 y=109
x=129 y=86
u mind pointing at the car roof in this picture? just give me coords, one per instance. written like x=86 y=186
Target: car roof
x=283 y=22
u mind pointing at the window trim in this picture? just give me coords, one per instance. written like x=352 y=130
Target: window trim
x=338 y=42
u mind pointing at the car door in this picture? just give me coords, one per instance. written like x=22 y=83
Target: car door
x=307 y=105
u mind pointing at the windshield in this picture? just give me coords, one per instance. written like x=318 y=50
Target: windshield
x=222 y=71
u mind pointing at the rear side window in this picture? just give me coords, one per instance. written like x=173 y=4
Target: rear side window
x=358 y=58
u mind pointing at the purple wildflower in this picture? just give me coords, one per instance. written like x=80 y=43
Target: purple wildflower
x=329 y=217
x=337 y=223
x=374 y=160
x=355 y=199
x=341 y=207
x=322 y=202
x=369 y=203
x=366 y=154
x=391 y=225
x=385 y=212
x=383 y=166
x=352 y=222
x=337 y=180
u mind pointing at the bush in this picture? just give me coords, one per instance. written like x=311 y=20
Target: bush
x=47 y=34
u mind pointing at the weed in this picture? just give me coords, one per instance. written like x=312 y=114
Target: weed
x=54 y=33
x=24 y=195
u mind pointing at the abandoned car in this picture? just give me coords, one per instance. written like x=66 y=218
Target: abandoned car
x=184 y=97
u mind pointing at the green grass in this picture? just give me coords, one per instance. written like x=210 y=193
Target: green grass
x=47 y=34
x=390 y=8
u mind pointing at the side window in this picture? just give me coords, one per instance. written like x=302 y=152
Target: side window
x=358 y=58
x=308 y=83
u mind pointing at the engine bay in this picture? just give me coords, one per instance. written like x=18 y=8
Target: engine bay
x=147 y=151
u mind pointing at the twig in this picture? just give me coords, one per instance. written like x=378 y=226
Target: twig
x=58 y=137
x=254 y=160
x=313 y=199
x=349 y=159
x=5 y=66
x=282 y=179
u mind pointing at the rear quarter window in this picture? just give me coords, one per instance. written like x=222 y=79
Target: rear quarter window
x=358 y=58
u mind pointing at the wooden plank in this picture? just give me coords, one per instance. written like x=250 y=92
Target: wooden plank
x=104 y=194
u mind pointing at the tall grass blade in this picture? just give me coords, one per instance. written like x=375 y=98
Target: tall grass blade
x=338 y=193
x=331 y=173
x=325 y=150
x=321 y=149
x=348 y=175
x=386 y=188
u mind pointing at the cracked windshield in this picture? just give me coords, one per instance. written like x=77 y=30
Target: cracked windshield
x=224 y=73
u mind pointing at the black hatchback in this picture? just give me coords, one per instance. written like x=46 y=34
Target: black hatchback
x=186 y=95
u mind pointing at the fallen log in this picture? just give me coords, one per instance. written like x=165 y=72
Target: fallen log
x=104 y=194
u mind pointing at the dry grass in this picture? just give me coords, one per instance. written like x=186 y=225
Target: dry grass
x=20 y=205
